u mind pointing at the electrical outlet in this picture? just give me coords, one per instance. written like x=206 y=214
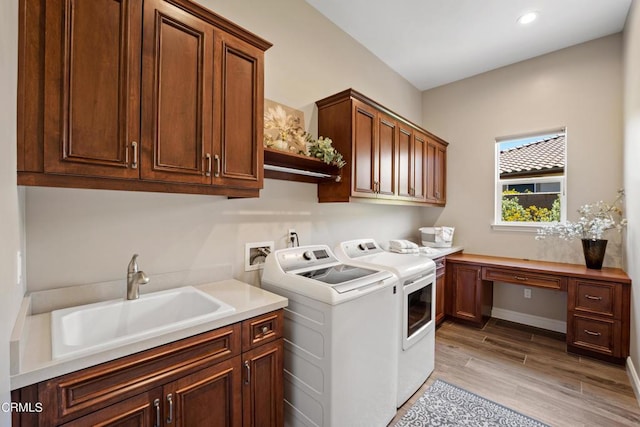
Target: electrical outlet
x=292 y=237
x=255 y=255
x=527 y=293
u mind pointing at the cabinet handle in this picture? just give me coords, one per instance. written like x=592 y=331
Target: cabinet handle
x=134 y=163
x=208 y=171
x=587 y=296
x=520 y=278
x=437 y=194
x=156 y=404
x=247 y=380
x=217 y=171
x=595 y=334
x=265 y=330
x=170 y=400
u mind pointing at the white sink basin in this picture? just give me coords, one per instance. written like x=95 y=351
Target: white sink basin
x=89 y=328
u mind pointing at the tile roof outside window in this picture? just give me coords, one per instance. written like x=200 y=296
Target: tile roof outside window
x=546 y=156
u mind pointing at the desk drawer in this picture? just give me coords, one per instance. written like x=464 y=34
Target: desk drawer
x=594 y=335
x=594 y=297
x=524 y=278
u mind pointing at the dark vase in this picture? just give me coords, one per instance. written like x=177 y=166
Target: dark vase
x=594 y=252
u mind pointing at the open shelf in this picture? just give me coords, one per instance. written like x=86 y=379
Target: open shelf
x=296 y=167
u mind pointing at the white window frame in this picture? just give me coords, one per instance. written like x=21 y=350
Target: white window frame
x=527 y=226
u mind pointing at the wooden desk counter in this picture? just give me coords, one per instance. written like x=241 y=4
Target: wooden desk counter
x=598 y=302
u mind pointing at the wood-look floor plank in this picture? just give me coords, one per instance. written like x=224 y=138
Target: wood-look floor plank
x=529 y=371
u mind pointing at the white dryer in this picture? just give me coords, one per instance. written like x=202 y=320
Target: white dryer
x=414 y=304
x=339 y=367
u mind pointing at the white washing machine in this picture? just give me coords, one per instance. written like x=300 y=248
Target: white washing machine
x=415 y=308
x=339 y=367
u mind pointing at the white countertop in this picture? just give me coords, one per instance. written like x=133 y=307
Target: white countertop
x=31 y=344
x=440 y=252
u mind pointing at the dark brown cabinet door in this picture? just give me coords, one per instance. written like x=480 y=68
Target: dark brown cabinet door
x=405 y=154
x=471 y=297
x=436 y=162
x=386 y=156
x=209 y=397
x=91 y=86
x=142 y=410
x=418 y=167
x=238 y=123
x=263 y=404
x=440 y=290
x=177 y=76
x=364 y=151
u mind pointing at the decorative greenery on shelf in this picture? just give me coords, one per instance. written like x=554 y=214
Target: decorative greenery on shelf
x=323 y=149
x=284 y=132
x=595 y=219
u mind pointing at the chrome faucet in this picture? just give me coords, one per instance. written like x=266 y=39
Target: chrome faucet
x=135 y=278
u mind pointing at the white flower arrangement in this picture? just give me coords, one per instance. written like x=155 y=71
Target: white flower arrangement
x=594 y=220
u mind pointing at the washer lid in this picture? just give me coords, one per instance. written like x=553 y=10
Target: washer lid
x=343 y=278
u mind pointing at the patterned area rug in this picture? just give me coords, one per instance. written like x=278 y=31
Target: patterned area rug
x=444 y=404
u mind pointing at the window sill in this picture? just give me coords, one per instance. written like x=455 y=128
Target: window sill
x=524 y=228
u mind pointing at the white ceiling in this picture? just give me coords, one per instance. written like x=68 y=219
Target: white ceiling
x=434 y=42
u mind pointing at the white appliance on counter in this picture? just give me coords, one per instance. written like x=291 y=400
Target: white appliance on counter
x=415 y=308
x=340 y=369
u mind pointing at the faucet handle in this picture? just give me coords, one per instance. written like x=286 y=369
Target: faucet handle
x=133 y=264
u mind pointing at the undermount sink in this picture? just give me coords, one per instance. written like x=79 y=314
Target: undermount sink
x=104 y=325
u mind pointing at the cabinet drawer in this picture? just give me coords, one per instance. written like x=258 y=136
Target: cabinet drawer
x=599 y=298
x=595 y=334
x=524 y=278
x=85 y=391
x=262 y=329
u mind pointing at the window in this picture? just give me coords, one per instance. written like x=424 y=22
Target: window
x=530 y=179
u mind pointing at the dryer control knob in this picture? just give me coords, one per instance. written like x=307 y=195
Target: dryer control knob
x=362 y=247
x=307 y=255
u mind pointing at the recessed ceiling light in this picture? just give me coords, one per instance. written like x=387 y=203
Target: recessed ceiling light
x=528 y=18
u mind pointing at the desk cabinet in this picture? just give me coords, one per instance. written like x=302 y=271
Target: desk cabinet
x=471 y=297
x=597 y=319
x=598 y=303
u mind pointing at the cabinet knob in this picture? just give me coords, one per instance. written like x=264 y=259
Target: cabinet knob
x=265 y=329
x=134 y=147
x=216 y=173
x=208 y=170
x=247 y=366
x=170 y=400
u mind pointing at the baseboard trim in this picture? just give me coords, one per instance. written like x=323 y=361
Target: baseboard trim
x=530 y=319
x=633 y=377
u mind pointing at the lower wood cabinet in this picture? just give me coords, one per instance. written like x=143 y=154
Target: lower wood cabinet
x=598 y=318
x=211 y=379
x=440 y=289
x=471 y=298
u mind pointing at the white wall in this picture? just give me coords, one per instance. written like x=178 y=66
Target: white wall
x=579 y=87
x=83 y=236
x=10 y=216
x=632 y=172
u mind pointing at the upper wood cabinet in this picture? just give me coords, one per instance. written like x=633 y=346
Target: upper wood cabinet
x=153 y=95
x=436 y=171
x=388 y=157
x=91 y=82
